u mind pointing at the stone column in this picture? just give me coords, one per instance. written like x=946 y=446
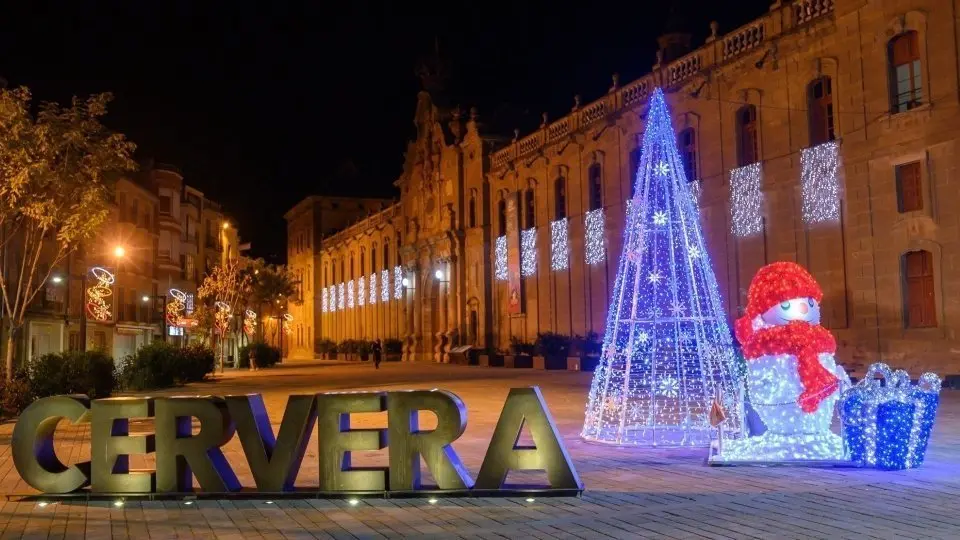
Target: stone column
x=441 y=345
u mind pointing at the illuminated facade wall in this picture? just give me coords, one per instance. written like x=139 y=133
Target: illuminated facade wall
x=848 y=229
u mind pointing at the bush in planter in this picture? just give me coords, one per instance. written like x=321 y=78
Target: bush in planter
x=392 y=349
x=193 y=363
x=91 y=373
x=152 y=366
x=326 y=347
x=267 y=355
x=364 y=349
x=349 y=347
x=520 y=347
x=554 y=348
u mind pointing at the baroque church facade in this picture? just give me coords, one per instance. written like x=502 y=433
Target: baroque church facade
x=824 y=132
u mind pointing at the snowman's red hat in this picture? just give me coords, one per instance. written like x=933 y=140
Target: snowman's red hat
x=778 y=282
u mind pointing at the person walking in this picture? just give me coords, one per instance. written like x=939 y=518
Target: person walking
x=377 y=354
x=253 y=360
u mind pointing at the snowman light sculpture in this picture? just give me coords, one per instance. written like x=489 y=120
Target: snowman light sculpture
x=793 y=380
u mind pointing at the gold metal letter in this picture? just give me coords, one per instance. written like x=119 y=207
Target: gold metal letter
x=181 y=455
x=113 y=445
x=408 y=443
x=274 y=461
x=33 y=452
x=526 y=406
x=337 y=440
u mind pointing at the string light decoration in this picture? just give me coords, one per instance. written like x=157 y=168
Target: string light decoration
x=361 y=291
x=500 y=259
x=350 y=296
x=287 y=326
x=385 y=286
x=888 y=426
x=373 y=288
x=793 y=380
x=332 y=293
x=98 y=308
x=593 y=222
x=340 y=296
x=175 y=307
x=820 y=183
x=528 y=252
x=559 y=247
x=397 y=282
x=667 y=349
x=746 y=200
x=221 y=318
x=325 y=300
x=250 y=321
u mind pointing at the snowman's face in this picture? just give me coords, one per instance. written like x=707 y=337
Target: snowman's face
x=796 y=309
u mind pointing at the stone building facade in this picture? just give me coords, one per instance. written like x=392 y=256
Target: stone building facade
x=824 y=132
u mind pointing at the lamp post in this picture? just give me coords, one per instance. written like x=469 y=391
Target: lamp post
x=163 y=314
x=118 y=252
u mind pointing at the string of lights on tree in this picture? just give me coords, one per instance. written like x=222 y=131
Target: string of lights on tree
x=287 y=321
x=500 y=272
x=98 y=308
x=820 y=183
x=221 y=317
x=593 y=222
x=559 y=246
x=667 y=350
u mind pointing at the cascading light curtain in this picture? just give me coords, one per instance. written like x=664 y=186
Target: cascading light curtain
x=667 y=351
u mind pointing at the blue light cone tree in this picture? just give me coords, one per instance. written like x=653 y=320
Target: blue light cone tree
x=667 y=351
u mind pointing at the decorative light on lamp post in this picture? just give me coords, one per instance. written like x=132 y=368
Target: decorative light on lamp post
x=119 y=252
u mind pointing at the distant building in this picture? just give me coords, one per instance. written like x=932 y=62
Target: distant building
x=823 y=132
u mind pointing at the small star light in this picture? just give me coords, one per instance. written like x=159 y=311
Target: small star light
x=643 y=338
x=693 y=252
x=677 y=308
x=669 y=386
x=654 y=277
x=660 y=218
x=661 y=168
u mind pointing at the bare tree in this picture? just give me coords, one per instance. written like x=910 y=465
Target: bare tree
x=56 y=173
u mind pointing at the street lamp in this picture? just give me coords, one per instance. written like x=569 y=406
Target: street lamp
x=119 y=252
x=163 y=315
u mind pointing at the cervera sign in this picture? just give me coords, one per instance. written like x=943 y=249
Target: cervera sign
x=274 y=459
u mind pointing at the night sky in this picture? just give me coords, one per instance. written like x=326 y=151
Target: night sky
x=263 y=103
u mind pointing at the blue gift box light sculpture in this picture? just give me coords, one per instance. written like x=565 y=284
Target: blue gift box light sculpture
x=886 y=421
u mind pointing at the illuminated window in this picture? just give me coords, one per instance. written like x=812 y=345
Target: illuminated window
x=688 y=152
x=595 y=181
x=905 y=79
x=919 y=302
x=530 y=212
x=560 y=198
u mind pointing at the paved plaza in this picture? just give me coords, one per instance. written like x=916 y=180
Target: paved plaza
x=630 y=493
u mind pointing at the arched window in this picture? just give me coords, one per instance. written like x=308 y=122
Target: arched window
x=748 y=151
x=529 y=209
x=386 y=254
x=820 y=111
x=473 y=211
x=362 y=261
x=688 y=153
x=560 y=198
x=919 y=302
x=595 y=181
x=502 y=217
x=905 y=79
x=634 y=165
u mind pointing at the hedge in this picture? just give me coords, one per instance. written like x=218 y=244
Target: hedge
x=267 y=356
x=161 y=365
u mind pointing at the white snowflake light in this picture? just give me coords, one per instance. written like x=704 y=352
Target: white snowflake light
x=820 y=183
x=325 y=300
x=397 y=282
x=559 y=248
x=373 y=288
x=350 y=297
x=500 y=259
x=340 y=296
x=693 y=252
x=593 y=222
x=528 y=252
x=654 y=385
x=746 y=200
x=361 y=291
x=385 y=286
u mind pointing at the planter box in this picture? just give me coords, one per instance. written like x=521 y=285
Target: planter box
x=539 y=362
x=573 y=363
x=555 y=362
x=364 y=357
x=485 y=359
x=589 y=363
x=522 y=361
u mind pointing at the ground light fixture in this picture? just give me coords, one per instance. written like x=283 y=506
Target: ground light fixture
x=42 y=504
x=432 y=500
x=118 y=503
x=353 y=502
x=530 y=499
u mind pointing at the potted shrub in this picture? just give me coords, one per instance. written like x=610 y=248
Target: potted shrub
x=332 y=351
x=552 y=350
x=364 y=348
x=590 y=355
x=349 y=348
x=392 y=350
x=522 y=354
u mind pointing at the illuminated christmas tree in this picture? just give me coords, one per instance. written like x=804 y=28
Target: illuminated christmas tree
x=667 y=352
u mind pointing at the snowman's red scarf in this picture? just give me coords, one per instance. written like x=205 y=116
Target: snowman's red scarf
x=800 y=339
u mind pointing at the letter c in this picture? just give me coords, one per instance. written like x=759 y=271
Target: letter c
x=33 y=452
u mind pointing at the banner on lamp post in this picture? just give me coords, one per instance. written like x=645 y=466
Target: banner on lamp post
x=514 y=305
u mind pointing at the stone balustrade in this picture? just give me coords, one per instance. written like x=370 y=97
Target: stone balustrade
x=715 y=52
x=373 y=221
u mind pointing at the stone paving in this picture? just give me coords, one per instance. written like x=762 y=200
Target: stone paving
x=630 y=493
